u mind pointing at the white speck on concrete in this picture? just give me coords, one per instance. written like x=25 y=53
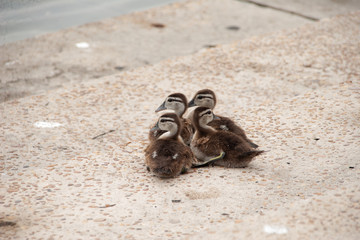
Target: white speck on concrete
x=175 y=156
x=275 y=229
x=154 y=154
x=83 y=45
x=10 y=63
x=47 y=124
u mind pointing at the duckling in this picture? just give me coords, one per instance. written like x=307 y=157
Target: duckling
x=229 y=149
x=178 y=103
x=168 y=156
x=207 y=98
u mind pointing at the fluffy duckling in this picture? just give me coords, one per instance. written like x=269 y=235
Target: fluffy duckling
x=207 y=98
x=229 y=149
x=178 y=103
x=168 y=156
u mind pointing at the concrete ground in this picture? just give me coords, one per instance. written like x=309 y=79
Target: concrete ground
x=53 y=60
x=72 y=162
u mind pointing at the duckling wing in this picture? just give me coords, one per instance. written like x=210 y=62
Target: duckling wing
x=187 y=131
x=218 y=124
x=230 y=141
x=234 y=128
x=226 y=124
x=189 y=158
x=207 y=148
x=187 y=124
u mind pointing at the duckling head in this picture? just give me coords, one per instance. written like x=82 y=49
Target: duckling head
x=204 y=98
x=176 y=102
x=202 y=116
x=170 y=123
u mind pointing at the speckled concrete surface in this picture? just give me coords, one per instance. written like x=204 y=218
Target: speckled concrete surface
x=130 y=41
x=297 y=94
x=317 y=9
x=51 y=61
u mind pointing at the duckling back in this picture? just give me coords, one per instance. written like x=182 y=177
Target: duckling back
x=168 y=158
x=226 y=124
x=238 y=152
x=187 y=131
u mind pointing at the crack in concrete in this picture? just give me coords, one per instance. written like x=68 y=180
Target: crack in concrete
x=280 y=9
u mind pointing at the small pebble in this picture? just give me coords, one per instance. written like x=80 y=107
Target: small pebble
x=233 y=28
x=82 y=45
x=119 y=68
x=174 y=221
x=6 y=223
x=158 y=25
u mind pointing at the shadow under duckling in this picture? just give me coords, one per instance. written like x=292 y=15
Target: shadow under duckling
x=167 y=156
x=221 y=148
x=207 y=98
x=178 y=103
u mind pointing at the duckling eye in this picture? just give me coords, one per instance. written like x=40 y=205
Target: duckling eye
x=208 y=112
x=200 y=97
x=166 y=120
x=170 y=100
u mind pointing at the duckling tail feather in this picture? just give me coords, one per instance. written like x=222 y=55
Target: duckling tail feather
x=253 y=145
x=245 y=158
x=251 y=154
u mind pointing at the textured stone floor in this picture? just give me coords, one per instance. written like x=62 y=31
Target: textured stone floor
x=52 y=61
x=72 y=163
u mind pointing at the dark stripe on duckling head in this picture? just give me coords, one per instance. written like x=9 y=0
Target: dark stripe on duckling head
x=166 y=120
x=181 y=97
x=201 y=111
x=170 y=117
x=206 y=112
x=201 y=96
x=174 y=99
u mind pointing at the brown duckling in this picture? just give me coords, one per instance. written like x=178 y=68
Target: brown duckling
x=229 y=149
x=178 y=103
x=207 y=98
x=168 y=156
